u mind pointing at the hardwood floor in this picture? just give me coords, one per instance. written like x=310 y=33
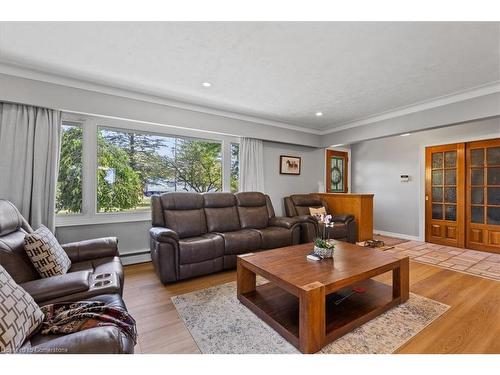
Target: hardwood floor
x=471 y=325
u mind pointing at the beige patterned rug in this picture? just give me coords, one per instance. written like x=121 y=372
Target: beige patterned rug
x=220 y=324
x=478 y=263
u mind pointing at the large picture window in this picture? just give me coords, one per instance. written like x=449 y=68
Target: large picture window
x=132 y=166
x=110 y=168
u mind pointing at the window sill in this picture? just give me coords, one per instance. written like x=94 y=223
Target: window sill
x=111 y=218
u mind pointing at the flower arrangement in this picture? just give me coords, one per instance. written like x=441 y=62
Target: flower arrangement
x=322 y=245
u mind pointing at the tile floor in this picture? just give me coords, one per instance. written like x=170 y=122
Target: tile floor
x=463 y=260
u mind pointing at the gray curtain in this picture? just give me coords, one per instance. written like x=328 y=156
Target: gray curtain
x=29 y=158
x=251 y=165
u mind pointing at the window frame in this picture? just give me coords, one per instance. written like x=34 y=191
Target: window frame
x=90 y=125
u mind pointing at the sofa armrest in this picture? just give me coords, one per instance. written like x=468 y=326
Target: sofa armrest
x=58 y=286
x=91 y=249
x=98 y=340
x=162 y=234
x=342 y=218
x=281 y=221
x=306 y=218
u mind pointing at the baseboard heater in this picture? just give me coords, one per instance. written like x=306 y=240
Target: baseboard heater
x=136 y=257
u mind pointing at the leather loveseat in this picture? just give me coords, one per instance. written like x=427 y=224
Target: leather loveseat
x=197 y=234
x=297 y=206
x=96 y=273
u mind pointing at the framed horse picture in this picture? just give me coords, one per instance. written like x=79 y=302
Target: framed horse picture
x=290 y=164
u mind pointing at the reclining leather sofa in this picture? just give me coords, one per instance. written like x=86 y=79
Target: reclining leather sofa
x=297 y=206
x=96 y=273
x=197 y=234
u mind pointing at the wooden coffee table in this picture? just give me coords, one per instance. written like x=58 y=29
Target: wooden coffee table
x=298 y=302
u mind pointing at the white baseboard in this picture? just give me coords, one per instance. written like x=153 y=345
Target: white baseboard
x=135 y=258
x=397 y=235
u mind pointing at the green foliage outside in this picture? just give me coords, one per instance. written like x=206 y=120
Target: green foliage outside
x=128 y=162
x=126 y=191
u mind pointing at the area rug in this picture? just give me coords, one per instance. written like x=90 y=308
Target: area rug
x=220 y=324
x=477 y=263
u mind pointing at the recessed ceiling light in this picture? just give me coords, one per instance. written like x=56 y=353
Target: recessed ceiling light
x=319 y=114
x=206 y=84
x=405 y=134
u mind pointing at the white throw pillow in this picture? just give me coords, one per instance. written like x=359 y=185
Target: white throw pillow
x=20 y=316
x=45 y=253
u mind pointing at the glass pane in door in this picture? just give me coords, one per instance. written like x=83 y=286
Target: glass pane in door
x=477 y=214
x=437 y=211
x=493 y=156
x=450 y=213
x=493 y=216
x=450 y=159
x=437 y=160
x=493 y=176
x=477 y=157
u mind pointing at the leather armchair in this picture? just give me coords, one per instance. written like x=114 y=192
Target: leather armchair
x=298 y=205
x=196 y=234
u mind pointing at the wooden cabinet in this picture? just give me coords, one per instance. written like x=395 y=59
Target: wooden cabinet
x=359 y=205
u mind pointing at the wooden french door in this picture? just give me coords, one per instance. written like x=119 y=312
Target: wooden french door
x=483 y=195
x=444 y=194
x=462 y=195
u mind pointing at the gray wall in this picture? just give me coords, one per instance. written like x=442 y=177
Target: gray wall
x=279 y=186
x=133 y=236
x=377 y=166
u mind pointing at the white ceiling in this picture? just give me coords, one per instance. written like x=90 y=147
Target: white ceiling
x=282 y=71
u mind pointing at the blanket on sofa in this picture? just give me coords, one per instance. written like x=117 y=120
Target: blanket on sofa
x=70 y=317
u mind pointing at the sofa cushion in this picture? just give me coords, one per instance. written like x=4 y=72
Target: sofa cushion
x=273 y=237
x=14 y=259
x=201 y=248
x=45 y=253
x=220 y=212
x=20 y=316
x=303 y=202
x=184 y=214
x=252 y=210
x=241 y=241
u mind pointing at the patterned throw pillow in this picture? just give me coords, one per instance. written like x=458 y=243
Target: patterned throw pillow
x=317 y=211
x=20 y=316
x=45 y=253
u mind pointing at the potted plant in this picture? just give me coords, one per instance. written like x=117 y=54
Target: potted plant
x=322 y=245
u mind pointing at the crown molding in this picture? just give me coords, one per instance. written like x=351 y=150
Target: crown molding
x=475 y=92
x=9 y=68
x=13 y=69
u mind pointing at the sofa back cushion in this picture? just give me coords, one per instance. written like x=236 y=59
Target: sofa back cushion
x=184 y=214
x=252 y=210
x=221 y=212
x=303 y=202
x=13 y=258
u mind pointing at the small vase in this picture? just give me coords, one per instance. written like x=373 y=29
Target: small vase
x=323 y=253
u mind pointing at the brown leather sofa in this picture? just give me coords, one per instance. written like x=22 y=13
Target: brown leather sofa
x=93 y=261
x=197 y=234
x=297 y=206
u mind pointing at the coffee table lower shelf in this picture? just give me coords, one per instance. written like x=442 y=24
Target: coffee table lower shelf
x=280 y=309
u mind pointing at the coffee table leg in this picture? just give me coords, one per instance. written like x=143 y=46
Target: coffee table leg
x=245 y=279
x=401 y=280
x=312 y=325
